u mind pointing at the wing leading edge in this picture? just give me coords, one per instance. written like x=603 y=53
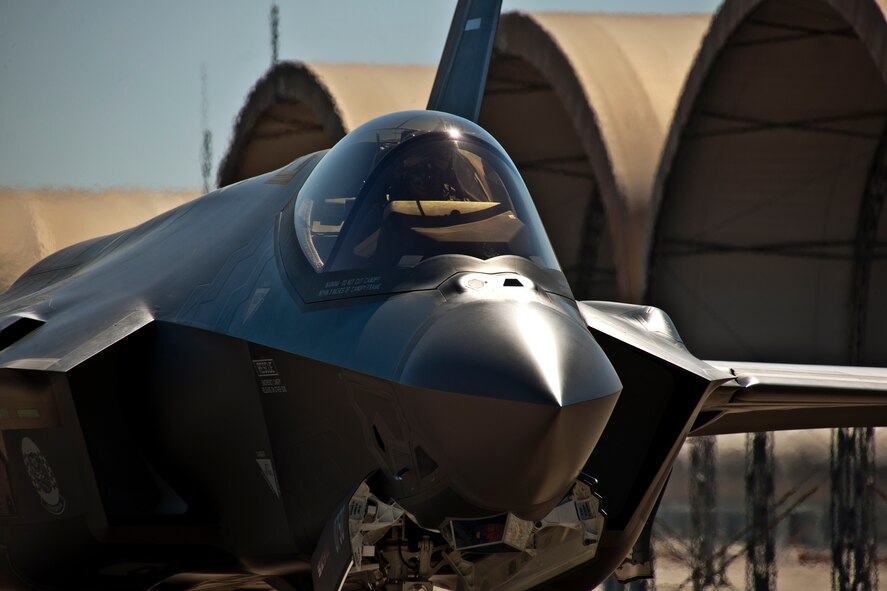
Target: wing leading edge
x=749 y=397
x=772 y=397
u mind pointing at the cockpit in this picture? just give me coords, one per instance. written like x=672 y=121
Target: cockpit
x=409 y=187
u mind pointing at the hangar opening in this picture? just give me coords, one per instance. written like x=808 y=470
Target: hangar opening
x=289 y=113
x=297 y=108
x=522 y=110
x=768 y=244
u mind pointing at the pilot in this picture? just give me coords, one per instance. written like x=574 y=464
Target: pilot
x=438 y=174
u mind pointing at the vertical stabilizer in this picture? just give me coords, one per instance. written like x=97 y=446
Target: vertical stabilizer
x=462 y=73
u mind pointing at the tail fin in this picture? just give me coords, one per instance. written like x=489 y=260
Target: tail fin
x=462 y=73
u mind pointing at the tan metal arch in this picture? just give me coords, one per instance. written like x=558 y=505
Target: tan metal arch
x=299 y=108
x=582 y=102
x=761 y=231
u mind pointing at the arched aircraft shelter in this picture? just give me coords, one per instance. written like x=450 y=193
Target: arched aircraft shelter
x=768 y=201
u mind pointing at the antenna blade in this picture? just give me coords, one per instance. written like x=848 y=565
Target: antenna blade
x=462 y=73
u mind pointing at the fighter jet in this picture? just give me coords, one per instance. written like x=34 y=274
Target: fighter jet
x=365 y=370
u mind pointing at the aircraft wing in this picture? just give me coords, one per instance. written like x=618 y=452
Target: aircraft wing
x=773 y=396
x=744 y=396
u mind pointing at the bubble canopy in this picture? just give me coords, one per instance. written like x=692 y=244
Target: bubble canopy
x=409 y=187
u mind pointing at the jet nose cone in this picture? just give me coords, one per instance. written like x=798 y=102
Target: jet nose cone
x=518 y=351
x=511 y=398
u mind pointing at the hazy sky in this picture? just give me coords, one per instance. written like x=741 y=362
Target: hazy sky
x=102 y=93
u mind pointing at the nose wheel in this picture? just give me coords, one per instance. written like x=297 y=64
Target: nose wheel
x=383 y=548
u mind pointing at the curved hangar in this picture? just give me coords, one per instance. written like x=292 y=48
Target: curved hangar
x=581 y=102
x=298 y=108
x=768 y=243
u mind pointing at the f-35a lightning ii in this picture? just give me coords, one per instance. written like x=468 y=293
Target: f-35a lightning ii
x=364 y=370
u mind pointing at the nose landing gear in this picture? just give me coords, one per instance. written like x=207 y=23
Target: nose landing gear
x=388 y=551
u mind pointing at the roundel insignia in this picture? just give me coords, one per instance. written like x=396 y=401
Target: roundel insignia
x=42 y=477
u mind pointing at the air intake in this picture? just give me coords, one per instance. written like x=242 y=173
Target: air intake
x=15 y=328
